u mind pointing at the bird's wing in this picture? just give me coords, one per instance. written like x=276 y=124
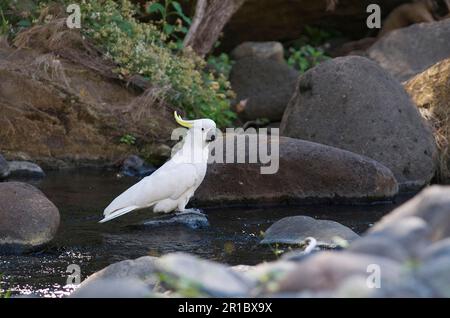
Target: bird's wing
x=169 y=181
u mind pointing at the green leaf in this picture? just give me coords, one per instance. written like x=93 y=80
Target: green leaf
x=168 y=29
x=24 y=23
x=155 y=7
x=177 y=7
x=180 y=12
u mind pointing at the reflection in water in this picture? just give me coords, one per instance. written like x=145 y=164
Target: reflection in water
x=81 y=197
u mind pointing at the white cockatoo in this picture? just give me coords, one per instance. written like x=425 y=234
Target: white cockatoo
x=171 y=186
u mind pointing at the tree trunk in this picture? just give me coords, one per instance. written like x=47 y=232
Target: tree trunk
x=209 y=20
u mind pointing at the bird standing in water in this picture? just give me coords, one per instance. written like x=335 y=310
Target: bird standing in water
x=170 y=187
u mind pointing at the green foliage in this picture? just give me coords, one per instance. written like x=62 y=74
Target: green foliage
x=220 y=68
x=306 y=57
x=128 y=139
x=316 y=36
x=313 y=36
x=143 y=48
x=307 y=51
x=170 y=10
x=16 y=15
x=221 y=64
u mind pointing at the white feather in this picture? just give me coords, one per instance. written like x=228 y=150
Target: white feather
x=172 y=185
x=118 y=213
x=170 y=181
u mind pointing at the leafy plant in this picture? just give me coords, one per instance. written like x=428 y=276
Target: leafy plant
x=307 y=51
x=17 y=15
x=128 y=139
x=221 y=64
x=151 y=49
x=312 y=36
x=171 y=9
x=145 y=49
x=317 y=36
x=306 y=57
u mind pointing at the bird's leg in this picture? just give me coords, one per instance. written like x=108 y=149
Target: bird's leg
x=190 y=211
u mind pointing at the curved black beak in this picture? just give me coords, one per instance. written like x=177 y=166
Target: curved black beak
x=212 y=138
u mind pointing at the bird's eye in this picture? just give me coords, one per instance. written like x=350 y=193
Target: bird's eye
x=203 y=129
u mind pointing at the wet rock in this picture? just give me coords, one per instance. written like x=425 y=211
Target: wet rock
x=307 y=172
x=296 y=229
x=25 y=169
x=135 y=166
x=27 y=218
x=267 y=86
x=429 y=91
x=114 y=288
x=202 y=277
x=141 y=269
x=4 y=168
x=432 y=205
x=385 y=124
x=264 y=50
x=191 y=220
x=409 y=51
x=411 y=233
x=327 y=270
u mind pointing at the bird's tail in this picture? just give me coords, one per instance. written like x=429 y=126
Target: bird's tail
x=117 y=213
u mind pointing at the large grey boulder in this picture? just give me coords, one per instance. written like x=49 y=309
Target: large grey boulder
x=411 y=233
x=353 y=104
x=432 y=205
x=141 y=269
x=301 y=172
x=327 y=270
x=436 y=274
x=267 y=85
x=296 y=229
x=437 y=250
x=114 y=288
x=27 y=218
x=407 y=287
x=202 y=277
x=25 y=169
x=408 y=51
x=379 y=246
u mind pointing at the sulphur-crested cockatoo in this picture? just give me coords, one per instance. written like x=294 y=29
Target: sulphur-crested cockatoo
x=171 y=186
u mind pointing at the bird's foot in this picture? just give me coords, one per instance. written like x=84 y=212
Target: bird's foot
x=190 y=211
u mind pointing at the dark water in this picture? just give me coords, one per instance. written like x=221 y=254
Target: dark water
x=81 y=197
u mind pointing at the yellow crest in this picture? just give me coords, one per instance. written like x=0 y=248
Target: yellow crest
x=181 y=121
